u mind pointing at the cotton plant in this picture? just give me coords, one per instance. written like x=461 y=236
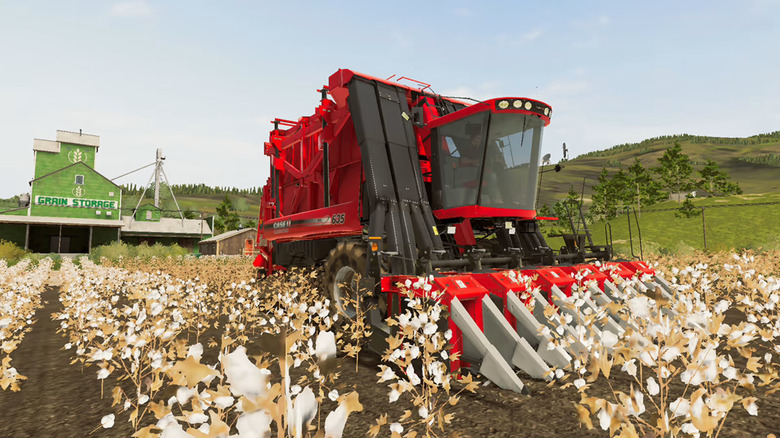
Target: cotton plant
x=418 y=360
x=126 y=324
x=240 y=393
x=20 y=296
x=691 y=348
x=292 y=325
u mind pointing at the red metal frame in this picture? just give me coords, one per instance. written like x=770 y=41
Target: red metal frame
x=296 y=151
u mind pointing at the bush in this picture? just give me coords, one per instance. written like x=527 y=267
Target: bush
x=10 y=252
x=115 y=250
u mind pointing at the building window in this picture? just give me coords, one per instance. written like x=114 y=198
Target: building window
x=97 y=212
x=148 y=215
x=80 y=179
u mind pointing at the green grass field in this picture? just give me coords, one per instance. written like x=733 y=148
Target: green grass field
x=246 y=205
x=727 y=226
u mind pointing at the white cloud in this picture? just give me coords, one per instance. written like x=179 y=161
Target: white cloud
x=131 y=8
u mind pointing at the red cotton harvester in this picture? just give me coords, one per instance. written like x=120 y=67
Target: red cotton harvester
x=387 y=182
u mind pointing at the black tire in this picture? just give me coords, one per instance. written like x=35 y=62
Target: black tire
x=345 y=265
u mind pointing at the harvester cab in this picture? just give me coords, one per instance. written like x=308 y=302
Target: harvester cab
x=385 y=184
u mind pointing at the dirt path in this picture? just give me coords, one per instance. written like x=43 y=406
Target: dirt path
x=57 y=399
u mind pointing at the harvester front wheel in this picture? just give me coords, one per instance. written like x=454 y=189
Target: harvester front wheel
x=343 y=271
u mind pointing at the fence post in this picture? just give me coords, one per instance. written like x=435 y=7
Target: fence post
x=704 y=228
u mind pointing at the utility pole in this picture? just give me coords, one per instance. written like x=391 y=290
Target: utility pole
x=157 y=167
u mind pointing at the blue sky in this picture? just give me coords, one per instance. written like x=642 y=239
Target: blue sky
x=202 y=80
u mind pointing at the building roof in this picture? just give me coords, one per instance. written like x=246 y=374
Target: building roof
x=46 y=220
x=46 y=145
x=166 y=227
x=71 y=165
x=78 y=138
x=227 y=234
x=66 y=137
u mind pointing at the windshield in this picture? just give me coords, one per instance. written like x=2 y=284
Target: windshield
x=460 y=154
x=512 y=161
x=500 y=150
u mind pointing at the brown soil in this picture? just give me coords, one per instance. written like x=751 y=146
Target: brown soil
x=63 y=400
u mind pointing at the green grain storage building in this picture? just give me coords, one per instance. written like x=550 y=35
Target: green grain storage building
x=72 y=208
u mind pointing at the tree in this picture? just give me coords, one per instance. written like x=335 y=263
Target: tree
x=611 y=195
x=675 y=170
x=640 y=187
x=604 y=199
x=566 y=208
x=227 y=218
x=687 y=209
x=716 y=181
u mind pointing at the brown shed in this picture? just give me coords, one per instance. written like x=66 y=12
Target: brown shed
x=229 y=243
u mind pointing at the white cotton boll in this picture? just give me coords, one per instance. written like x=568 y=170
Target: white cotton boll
x=721 y=307
x=304 y=410
x=195 y=351
x=639 y=398
x=670 y=354
x=243 y=376
x=608 y=339
x=325 y=346
x=604 y=419
x=396 y=427
x=413 y=378
x=156 y=309
x=429 y=329
x=394 y=395
x=165 y=421
x=197 y=418
x=559 y=373
x=102 y=374
x=183 y=394
x=752 y=409
x=143 y=399
x=224 y=402
x=387 y=374
x=254 y=425
x=423 y=412
x=108 y=421
x=295 y=389
x=652 y=386
x=579 y=383
x=680 y=407
x=335 y=422
x=690 y=429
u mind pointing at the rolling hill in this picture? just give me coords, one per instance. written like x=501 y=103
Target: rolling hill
x=753 y=162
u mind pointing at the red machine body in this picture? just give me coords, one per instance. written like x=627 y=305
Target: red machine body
x=386 y=182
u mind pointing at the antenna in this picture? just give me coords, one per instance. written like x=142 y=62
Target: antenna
x=546 y=159
x=565 y=151
x=158 y=170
